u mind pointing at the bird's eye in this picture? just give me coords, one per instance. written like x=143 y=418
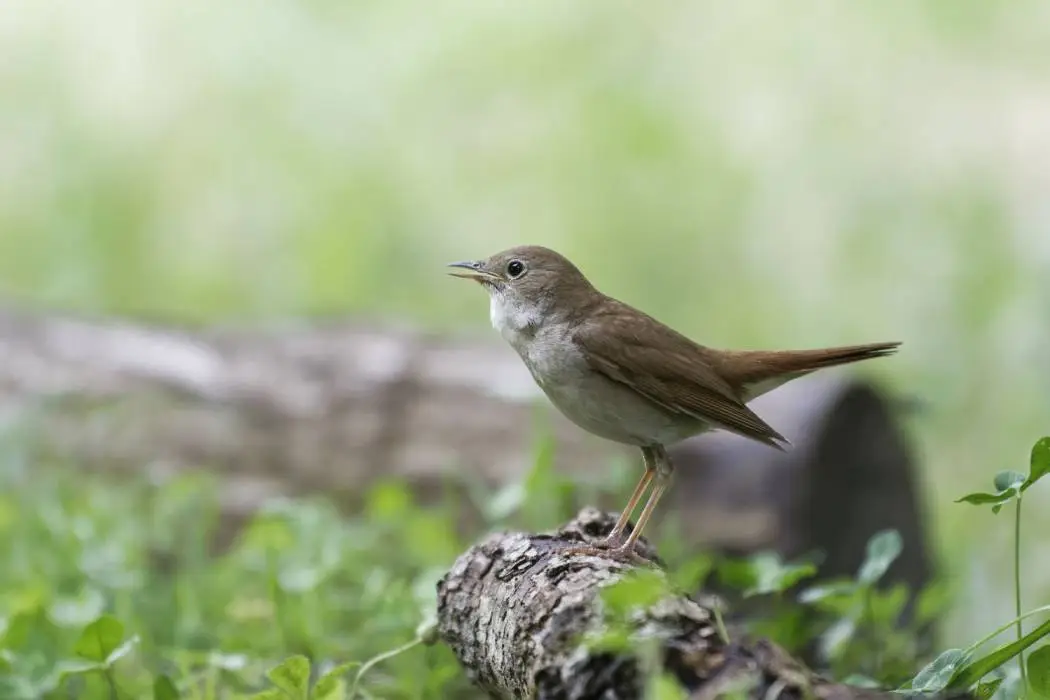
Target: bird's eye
x=515 y=268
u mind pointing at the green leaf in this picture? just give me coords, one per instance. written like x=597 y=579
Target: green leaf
x=666 y=687
x=1008 y=484
x=936 y=675
x=269 y=694
x=79 y=610
x=693 y=574
x=615 y=639
x=859 y=680
x=1039 y=670
x=737 y=574
x=427 y=630
x=76 y=667
x=637 y=590
x=772 y=576
x=388 y=500
x=227 y=662
x=824 y=591
x=885 y=607
x=164 y=689
x=835 y=638
x=973 y=672
x=331 y=686
x=293 y=677
x=100 y=639
x=932 y=601
x=122 y=651
x=299 y=578
x=987 y=689
x=1040 y=464
x=883 y=548
x=505 y=502
x=1009 y=481
x=980 y=499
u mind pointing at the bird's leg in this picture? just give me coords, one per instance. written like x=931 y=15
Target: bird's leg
x=625 y=517
x=663 y=475
x=661 y=471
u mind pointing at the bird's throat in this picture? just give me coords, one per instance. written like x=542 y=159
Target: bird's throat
x=516 y=322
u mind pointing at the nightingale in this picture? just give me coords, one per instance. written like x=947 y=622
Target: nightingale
x=620 y=374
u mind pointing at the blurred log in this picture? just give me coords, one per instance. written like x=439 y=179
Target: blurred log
x=300 y=408
x=311 y=407
x=849 y=474
x=513 y=609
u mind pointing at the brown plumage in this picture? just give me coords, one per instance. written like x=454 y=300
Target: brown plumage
x=682 y=376
x=619 y=373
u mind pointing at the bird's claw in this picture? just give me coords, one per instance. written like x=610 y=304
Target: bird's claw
x=616 y=551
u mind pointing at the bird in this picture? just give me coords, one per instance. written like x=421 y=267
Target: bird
x=620 y=374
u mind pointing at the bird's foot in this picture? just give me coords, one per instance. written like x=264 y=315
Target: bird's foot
x=617 y=551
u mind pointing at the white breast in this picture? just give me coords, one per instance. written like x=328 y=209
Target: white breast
x=513 y=322
x=588 y=399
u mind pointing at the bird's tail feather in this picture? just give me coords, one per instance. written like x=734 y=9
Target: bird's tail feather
x=755 y=367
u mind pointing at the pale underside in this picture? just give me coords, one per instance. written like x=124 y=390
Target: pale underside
x=590 y=399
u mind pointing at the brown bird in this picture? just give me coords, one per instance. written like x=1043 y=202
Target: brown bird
x=624 y=376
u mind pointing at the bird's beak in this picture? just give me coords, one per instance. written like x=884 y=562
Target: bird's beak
x=472 y=270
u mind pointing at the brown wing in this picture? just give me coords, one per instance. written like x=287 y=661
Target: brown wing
x=678 y=376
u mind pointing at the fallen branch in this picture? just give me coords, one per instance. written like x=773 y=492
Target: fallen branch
x=514 y=611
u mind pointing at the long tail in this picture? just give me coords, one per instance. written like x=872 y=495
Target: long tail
x=754 y=372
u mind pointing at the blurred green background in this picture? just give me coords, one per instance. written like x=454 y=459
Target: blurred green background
x=757 y=174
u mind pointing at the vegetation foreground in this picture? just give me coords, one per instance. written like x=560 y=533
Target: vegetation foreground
x=119 y=591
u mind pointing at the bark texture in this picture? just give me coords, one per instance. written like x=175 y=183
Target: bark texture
x=513 y=608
